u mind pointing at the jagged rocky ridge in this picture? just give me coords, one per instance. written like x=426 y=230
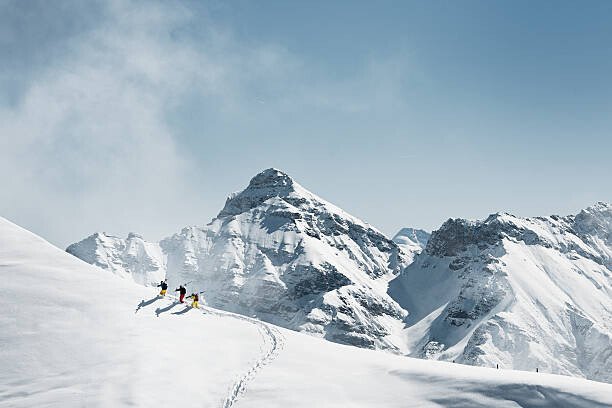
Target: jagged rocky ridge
x=278 y=252
x=524 y=293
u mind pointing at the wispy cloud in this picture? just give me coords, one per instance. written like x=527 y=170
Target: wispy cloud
x=88 y=143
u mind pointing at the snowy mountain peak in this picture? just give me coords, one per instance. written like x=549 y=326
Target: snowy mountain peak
x=273 y=183
x=281 y=253
x=590 y=228
x=271 y=178
x=601 y=206
x=596 y=219
x=130 y=257
x=265 y=185
x=518 y=292
x=456 y=234
x=412 y=241
x=415 y=235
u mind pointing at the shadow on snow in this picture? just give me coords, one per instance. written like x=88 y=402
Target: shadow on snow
x=185 y=310
x=144 y=303
x=159 y=311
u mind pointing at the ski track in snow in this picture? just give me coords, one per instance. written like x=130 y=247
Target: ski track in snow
x=273 y=344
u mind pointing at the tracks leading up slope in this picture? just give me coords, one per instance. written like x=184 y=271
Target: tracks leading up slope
x=273 y=343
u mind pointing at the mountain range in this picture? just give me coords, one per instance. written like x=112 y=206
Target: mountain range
x=74 y=335
x=522 y=293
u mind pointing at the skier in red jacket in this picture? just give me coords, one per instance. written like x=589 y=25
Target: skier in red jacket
x=182 y=292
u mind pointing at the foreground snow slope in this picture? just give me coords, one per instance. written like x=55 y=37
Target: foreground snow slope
x=313 y=373
x=73 y=335
x=70 y=336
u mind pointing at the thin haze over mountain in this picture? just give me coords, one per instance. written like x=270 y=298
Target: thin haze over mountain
x=129 y=115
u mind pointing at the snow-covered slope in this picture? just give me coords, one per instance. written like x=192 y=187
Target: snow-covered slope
x=73 y=335
x=412 y=241
x=131 y=257
x=281 y=253
x=522 y=293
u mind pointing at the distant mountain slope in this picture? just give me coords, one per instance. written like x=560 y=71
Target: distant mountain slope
x=281 y=253
x=412 y=241
x=70 y=337
x=521 y=293
x=131 y=257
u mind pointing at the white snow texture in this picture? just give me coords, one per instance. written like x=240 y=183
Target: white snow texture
x=73 y=335
x=526 y=294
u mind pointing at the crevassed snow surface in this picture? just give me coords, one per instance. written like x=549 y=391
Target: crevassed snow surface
x=74 y=335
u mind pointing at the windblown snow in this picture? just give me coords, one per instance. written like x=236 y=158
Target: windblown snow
x=522 y=293
x=74 y=335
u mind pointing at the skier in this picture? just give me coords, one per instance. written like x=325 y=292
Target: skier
x=182 y=292
x=164 y=287
x=195 y=300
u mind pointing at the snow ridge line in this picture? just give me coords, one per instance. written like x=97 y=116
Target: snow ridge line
x=273 y=339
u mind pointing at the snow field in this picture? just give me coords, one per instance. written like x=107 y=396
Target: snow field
x=71 y=335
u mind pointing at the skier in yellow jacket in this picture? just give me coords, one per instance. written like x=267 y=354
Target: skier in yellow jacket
x=196 y=298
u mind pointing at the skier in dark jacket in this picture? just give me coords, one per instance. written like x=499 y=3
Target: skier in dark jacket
x=164 y=287
x=182 y=292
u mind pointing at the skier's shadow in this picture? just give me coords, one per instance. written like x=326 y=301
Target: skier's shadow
x=159 y=311
x=185 y=310
x=144 y=303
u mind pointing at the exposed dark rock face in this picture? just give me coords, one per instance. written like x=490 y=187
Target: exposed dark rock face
x=518 y=292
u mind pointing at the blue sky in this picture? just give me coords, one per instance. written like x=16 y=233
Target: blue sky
x=143 y=116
